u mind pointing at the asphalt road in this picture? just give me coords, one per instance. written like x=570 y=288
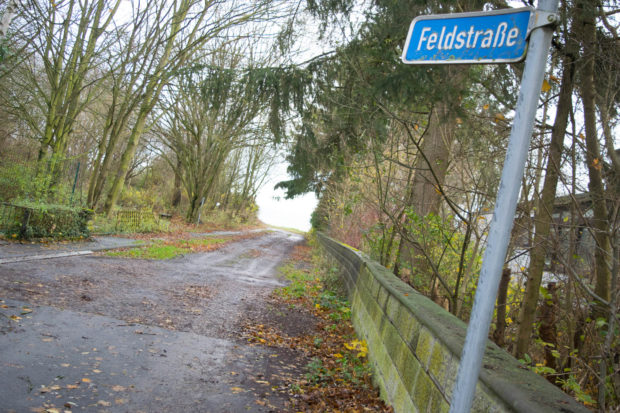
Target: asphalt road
x=103 y=334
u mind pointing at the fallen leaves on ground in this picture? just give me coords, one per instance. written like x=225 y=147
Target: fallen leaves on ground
x=338 y=378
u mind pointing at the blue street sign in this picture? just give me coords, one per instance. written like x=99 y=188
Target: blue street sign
x=498 y=36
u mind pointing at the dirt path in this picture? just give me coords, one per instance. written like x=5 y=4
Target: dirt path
x=110 y=334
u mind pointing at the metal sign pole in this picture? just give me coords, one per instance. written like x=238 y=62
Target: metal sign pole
x=505 y=207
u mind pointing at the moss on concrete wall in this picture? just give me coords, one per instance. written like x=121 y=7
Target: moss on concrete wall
x=415 y=347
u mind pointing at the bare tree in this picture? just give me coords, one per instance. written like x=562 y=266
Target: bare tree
x=188 y=27
x=65 y=42
x=207 y=114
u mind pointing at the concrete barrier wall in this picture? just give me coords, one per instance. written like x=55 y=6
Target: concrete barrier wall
x=415 y=347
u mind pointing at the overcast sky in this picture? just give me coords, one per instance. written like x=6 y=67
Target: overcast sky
x=288 y=213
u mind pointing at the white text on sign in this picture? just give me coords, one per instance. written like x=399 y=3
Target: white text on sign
x=487 y=37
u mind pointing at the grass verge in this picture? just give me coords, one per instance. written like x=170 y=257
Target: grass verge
x=166 y=249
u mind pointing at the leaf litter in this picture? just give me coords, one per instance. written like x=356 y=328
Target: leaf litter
x=338 y=377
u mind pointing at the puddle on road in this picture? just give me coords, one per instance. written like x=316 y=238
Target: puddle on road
x=261 y=281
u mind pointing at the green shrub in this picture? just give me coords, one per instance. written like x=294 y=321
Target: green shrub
x=15 y=180
x=35 y=220
x=141 y=198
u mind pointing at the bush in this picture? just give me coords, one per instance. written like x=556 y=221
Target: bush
x=15 y=180
x=45 y=221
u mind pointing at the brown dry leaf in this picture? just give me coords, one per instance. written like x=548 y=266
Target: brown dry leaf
x=72 y=386
x=65 y=365
x=545 y=86
x=86 y=380
x=118 y=388
x=47 y=339
x=104 y=403
x=120 y=401
x=44 y=389
x=55 y=387
x=97 y=371
x=15 y=318
x=236 y=390
x=340 y=394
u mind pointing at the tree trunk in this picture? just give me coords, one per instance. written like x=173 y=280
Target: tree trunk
x=192 y=209
x=430 y=171
x=600 y=221
x=151 y=95
x=119 y=179
x=176 y=193
x=99 y=165
x=499 y=335
x=548 y=329
x=543 y=218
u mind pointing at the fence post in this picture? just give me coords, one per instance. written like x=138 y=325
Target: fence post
x=77 y=171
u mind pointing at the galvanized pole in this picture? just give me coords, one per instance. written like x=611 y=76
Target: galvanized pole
x=505 y=207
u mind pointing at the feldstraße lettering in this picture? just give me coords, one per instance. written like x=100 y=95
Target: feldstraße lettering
x=484 y=37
